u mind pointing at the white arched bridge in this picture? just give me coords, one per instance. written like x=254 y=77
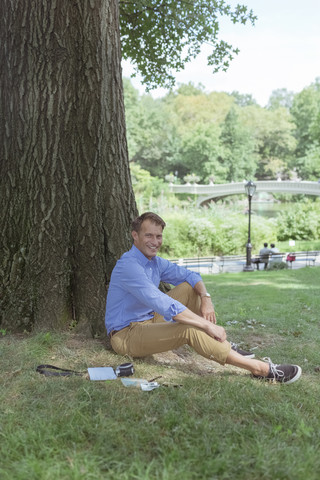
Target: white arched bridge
x=214 y=192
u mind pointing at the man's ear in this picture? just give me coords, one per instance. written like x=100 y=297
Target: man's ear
x=134 y=235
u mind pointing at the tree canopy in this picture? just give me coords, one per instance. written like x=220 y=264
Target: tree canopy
x=160 y=36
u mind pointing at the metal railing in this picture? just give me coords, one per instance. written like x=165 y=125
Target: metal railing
x=235 y=263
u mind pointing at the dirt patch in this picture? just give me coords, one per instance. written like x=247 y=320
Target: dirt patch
x=78 y=352
x=256 y=343
x=184 y=360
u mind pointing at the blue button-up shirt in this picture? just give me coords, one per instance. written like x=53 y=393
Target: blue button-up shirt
x=133 y=294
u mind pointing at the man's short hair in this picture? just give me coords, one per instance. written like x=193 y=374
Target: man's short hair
x=272 y=245
x=153 y=217
x=265 y=244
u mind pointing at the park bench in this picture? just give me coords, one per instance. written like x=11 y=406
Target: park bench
x=257 y=261
x=308 y=257
x=199 y=264
x=231 y=260
x=275 y=258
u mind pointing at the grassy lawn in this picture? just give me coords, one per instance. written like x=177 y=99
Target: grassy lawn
x=300 y=246
x=220 y=424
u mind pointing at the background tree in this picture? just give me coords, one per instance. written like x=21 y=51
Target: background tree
x=305 y=111
x=280 y=98
x=306 y=114
x=199 y=153
x=210 y=107
x=181 y=133
x=197 y=118
x=155 y=137
x=190 y=89
x=243 y=100
x=273 y=131
x=238 y=149
x=309 y=165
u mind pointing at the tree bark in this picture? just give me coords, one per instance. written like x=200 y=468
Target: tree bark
x=65 y=190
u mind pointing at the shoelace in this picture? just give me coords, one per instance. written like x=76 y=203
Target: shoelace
x=273 y=368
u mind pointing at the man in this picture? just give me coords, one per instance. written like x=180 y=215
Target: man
x=274 y=257
x=141 y=320
x=264 y=255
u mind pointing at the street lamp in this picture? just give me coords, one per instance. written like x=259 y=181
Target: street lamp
x=250 y=188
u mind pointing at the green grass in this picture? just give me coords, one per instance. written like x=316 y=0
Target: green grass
x=220 y=424
x=300 y=246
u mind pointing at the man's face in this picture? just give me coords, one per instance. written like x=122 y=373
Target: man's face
x=149 y=239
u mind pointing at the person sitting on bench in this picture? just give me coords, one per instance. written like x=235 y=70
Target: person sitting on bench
x=264 y=255
x=274 y=257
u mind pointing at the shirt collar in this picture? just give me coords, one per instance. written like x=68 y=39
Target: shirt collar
x=142 y=258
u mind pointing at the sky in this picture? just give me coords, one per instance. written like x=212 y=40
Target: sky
x=282 y=50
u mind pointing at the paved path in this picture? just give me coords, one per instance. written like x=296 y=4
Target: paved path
x=207 y=267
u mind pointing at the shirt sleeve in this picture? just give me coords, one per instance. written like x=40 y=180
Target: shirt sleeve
x=134 y=280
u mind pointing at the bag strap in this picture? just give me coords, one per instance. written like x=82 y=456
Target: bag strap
x=51 y=370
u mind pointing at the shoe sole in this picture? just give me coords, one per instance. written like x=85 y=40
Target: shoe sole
x=252 y=355
x=249 y=355
x=296 y=377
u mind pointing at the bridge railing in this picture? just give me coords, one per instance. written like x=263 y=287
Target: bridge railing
x=208 y=192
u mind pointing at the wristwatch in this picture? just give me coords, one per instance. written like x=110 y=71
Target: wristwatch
x=205 y=295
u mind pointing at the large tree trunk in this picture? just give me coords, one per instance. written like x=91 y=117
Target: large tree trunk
x=65 y=190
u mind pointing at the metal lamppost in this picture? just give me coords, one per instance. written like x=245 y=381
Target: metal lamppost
x=250 y=188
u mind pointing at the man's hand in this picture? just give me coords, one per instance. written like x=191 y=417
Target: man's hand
x=189 y=318
x=215 y=331
x=207 y=310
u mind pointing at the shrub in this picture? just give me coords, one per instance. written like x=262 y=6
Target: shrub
x=299 y=222
x=175 y=237
x=202 y=232
x=277 y=266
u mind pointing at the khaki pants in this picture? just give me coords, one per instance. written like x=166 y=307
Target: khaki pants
x=156 y=335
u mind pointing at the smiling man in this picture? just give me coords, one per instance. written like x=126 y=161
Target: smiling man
x=141 y=320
